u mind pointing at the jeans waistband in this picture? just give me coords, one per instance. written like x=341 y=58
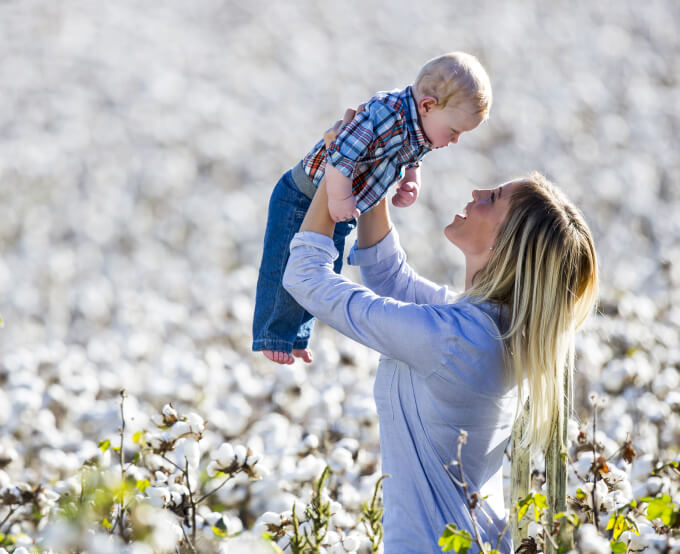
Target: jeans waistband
x=303 y=182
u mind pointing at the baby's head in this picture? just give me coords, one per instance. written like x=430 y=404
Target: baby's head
x=453 y=93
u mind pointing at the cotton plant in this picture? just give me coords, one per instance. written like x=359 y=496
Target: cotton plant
x=156 y=498
x=605 y=513
x=311 y=528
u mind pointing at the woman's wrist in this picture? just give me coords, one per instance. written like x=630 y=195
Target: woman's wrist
x=318 y=218
x=374 y=225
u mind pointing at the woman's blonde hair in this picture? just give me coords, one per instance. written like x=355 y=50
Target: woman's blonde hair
x=544 y=269
x=453 y=79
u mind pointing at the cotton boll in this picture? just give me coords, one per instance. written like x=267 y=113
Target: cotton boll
x=233 y=524
x=616 y=374
x=309 y=468
x=604 y=503
x=195 y=422
x=573 y=430
x=654 y=409
x=213 y=468
x=240 y=454
x=666 y=381
x=590 y=542
x=343 y=520
x=178 y=429
x=225 y=454
x=310 y=442
x=584 y=463
x=348 y=496
x=341 y=460
x=331 y=538
x=233 y=420
x=167 y=532
x=158 y=496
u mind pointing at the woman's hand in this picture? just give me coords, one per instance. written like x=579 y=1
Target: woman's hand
x=332 y=132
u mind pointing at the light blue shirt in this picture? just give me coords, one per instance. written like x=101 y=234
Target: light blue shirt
x=441 y=371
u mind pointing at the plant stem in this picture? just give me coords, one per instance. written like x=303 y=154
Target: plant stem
x=10 y=514
x=206 y=495
x=473 y=516
x=191 y=546
x=191 y=500
x=596 y=471
x=121 y=512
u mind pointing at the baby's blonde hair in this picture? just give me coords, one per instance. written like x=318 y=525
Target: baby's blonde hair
x=544 y=269
x=453 y=79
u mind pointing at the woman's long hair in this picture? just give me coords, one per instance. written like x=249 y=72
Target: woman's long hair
x=544 y=269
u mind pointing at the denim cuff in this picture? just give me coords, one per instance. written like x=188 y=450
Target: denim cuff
x=315 y=240
x=374 y=254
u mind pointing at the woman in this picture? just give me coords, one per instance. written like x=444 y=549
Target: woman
x=451 y=363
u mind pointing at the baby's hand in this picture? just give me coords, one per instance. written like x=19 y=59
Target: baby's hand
x=406 y=194
x=342 y=209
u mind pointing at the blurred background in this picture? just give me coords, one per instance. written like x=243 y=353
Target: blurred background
x=139 y=143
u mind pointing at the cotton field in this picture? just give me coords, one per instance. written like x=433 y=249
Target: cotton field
x=139 y=143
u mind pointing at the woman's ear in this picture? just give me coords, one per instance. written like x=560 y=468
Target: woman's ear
x=426 y=104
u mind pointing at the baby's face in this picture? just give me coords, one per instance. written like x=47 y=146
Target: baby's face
x=444 y=126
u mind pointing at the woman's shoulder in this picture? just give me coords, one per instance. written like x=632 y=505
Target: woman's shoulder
x=487 y=316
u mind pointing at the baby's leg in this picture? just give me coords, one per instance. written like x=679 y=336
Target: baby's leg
x=277 y=316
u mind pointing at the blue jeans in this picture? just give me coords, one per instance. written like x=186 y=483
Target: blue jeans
x=279 y=322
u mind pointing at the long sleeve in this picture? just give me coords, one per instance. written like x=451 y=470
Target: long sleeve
x=384 y=270
x=419 y=335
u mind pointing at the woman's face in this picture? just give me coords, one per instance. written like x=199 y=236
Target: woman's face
x=475 y=230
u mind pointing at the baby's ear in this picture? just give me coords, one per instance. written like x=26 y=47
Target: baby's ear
x=426 y=104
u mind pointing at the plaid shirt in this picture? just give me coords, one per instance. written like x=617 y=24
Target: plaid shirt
x=375 y=148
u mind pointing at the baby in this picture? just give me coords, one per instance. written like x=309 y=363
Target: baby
x=382 y=145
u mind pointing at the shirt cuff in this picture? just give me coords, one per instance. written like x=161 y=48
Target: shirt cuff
x=413 y=164
x=343 y=164
x=315 y=240
x=374 y=254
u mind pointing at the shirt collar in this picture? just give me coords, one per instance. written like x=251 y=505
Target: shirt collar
x=415 y=130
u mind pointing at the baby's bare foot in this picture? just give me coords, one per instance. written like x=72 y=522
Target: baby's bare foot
x=305 y=354
x=279 y=357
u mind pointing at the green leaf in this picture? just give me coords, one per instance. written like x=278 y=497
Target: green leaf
x=137 y=437
x=107 y=524
x=620 y=526
x=142 y=484
x=656 y=508
x=522 y=511
x=580 y=494
x=618 y=547
x=218 y=531
x=667 y=516
x=540 y=500
x=104 y=445
x=115 y=448
x=610 y=523
x=448 y=533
